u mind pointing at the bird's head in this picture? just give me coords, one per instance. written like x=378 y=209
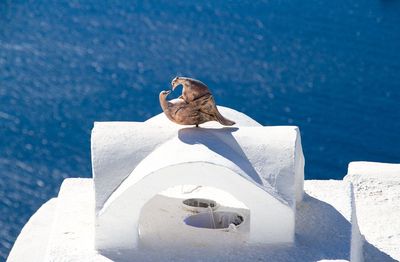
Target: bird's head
x=177 y=81
x=165 y=93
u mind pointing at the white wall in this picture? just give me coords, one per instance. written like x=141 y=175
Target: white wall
x=117 y=224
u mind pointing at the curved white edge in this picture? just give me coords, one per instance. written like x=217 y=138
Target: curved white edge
x=357 y=241
x=136 y=177
x=299 y=167
x=116 y=149
x=272 y=154
x=32 y=242
x=276 y=154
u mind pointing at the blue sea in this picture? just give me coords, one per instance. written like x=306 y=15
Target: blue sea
x=330 y=67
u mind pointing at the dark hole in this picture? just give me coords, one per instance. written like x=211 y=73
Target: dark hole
x=200 y=202
x=214 y=220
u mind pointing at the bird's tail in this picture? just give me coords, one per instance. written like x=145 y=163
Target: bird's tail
x=224 y=121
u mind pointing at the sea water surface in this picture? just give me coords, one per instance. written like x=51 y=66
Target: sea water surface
x=330 y=67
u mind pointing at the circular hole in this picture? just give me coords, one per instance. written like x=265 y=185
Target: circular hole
x=199 y=204
x=214 y=220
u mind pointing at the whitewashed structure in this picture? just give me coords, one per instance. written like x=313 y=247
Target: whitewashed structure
x=261 y=167
x=163 y=192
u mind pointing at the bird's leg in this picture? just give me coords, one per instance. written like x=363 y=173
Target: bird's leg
x=197 y=125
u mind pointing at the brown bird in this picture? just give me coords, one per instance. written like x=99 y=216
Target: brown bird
x=195 y=106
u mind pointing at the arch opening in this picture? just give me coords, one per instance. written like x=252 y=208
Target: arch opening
x=186 y=215
x=120 y=223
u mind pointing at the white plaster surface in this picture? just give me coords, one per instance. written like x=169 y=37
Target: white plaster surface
x=195 y=191
x=143 y=171
x=373 y=169
x=32 y=242
x=162 y=223
x=72 y=236
x=270 y=156
x=377 y=199
x=323 y=231
x=120 y=215
x=132 y=162
x=330 y=224
x=118 y=147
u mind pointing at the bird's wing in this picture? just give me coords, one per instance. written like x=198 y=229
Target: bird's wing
x=201 y=102
x=208 y=105
x=193 y=90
